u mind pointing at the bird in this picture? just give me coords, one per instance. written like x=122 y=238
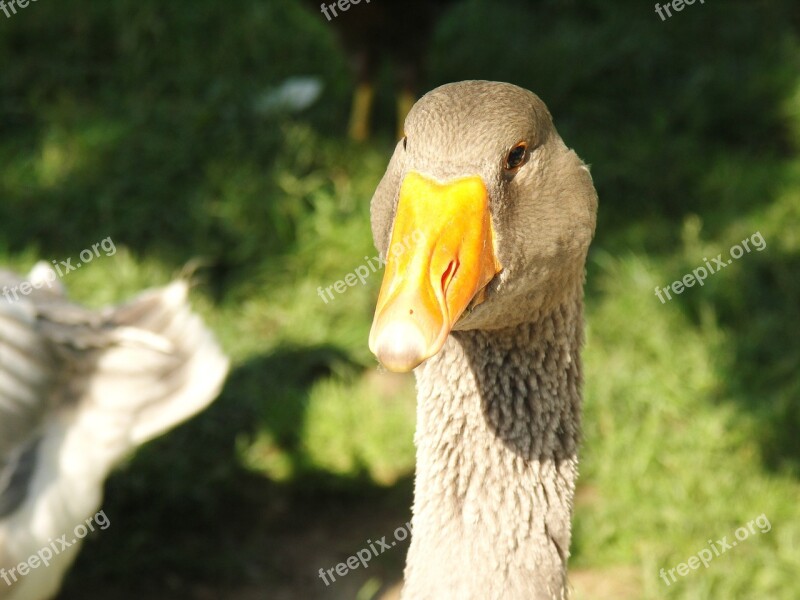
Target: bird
x=486 y=308
x=370 y=33
x=80 y=389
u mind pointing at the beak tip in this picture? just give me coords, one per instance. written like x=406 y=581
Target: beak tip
x=400 y=347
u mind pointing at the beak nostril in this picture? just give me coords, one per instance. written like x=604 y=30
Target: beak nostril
x=448 y=275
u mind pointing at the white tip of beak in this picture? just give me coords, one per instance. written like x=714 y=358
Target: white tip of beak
x=400 y=346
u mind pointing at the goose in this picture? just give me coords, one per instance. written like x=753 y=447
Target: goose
x=79 y=390
x=399 y=32
x=487 y=309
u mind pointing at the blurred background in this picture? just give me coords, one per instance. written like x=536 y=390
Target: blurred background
x=161 y=125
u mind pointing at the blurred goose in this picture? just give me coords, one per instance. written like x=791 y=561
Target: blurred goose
x=398 y=32
x=490 y=303
x=79 y=390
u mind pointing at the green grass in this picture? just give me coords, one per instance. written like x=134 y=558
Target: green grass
x=135 y=120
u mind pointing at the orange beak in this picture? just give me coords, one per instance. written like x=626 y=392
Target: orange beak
x=441 y=256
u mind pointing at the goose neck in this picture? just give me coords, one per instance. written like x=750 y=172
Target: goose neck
x=498 y=422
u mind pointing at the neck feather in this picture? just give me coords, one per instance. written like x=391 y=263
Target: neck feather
x=498 y=424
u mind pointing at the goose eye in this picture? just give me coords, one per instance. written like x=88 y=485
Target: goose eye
x=516 y=156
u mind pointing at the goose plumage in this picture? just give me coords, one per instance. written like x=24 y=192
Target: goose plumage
x=79 y=390
x=488 y=310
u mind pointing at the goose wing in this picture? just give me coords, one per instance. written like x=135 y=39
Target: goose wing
x=27 y=371
x=136 y=370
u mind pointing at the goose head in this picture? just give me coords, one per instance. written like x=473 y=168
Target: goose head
x=484 y=216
